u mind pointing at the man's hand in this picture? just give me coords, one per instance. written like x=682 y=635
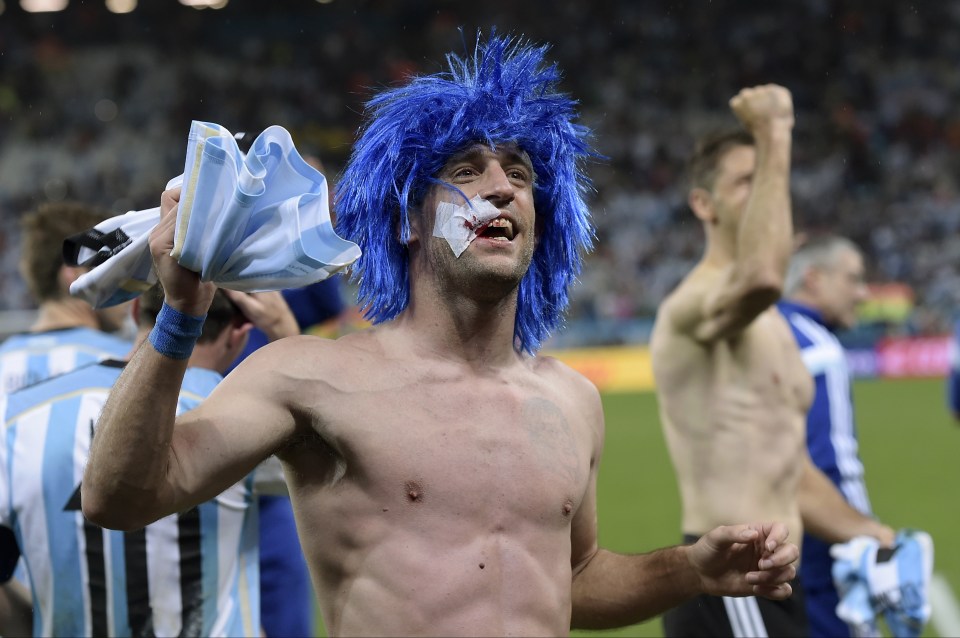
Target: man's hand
x=762 y=107
x=745 y=560
x=268 y=311
x=182 y=288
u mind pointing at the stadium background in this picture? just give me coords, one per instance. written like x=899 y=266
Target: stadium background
x=96 y=106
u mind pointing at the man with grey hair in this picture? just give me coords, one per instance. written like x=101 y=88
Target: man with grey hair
x=823 y=286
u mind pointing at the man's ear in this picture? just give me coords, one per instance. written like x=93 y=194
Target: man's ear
x=239 y=331
x=811 y=280
x=413 y=234
x=701 y=203
x=414 y=222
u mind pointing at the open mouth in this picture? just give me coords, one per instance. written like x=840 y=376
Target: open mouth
x=498 y=229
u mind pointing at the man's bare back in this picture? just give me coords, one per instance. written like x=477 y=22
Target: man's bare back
x=733 y=413
x=438 y=496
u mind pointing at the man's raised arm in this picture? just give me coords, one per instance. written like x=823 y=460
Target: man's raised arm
x=141 y=466
x=764 y=233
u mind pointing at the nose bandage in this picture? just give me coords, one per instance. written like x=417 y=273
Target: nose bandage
x=459 y=224
x=246 y=221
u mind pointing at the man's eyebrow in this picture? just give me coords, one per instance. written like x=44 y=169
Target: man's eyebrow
x=517 y=156
x=470 y=152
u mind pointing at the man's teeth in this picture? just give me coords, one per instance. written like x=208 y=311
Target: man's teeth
x=505 y=224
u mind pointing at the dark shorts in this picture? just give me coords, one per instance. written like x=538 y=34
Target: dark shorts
x=726 y=617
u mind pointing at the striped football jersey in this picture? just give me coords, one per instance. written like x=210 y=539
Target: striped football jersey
x=189 y=574
x=28 y=358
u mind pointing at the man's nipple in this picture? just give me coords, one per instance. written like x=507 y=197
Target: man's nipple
x=414 y=491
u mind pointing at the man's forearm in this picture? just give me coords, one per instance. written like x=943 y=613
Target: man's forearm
x=766 y=230
x=614 y=590
x=16 y=609
x=124 y=484
x=828 y=516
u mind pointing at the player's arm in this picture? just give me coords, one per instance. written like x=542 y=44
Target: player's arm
x=16 y=609
x=828 y=516
x=613 y=590
x=764 y=242
x=141 y=467
x=145 y=463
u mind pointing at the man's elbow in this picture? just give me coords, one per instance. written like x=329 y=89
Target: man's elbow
x=761 y=292
x=109 y=513
x=764 y=286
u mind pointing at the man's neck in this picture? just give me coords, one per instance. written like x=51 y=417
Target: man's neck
x=721 y=247
x=65 y=313
x=462 y=329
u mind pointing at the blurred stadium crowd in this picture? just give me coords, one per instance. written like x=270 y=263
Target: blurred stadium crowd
x=95 y=106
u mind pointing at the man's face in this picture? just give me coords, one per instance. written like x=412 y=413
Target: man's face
x=496 y=261
x=731 y=187
x=840 y=289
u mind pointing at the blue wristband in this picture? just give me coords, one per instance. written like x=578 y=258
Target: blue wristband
x=175 y=333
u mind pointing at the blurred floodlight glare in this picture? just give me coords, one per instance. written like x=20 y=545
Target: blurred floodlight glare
x=39 y=6
x=204 y=4
x=324 y=1
x=121 y=6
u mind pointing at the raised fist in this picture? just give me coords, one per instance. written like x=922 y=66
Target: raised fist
x=760 y=106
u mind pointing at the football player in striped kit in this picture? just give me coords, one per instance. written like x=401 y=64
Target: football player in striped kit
x=67 y=332
x=194 y=573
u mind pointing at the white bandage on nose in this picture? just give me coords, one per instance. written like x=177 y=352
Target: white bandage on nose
x=459 y=224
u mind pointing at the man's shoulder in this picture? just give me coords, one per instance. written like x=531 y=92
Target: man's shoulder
x=80 y=337
x=315 y=352
x=806 y=325
x=551 y=370
x=95 y=378
x=113 y=343
x=689 y=292
x=684 y=301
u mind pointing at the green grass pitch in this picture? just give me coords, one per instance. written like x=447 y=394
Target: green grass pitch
x=909 y=444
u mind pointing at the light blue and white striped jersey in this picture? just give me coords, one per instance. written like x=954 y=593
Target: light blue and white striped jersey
x=28 y=358
x=191 y=574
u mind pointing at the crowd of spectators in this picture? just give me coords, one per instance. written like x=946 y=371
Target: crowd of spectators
x=96 y=107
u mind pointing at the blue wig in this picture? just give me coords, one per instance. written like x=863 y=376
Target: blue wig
x=505 y=93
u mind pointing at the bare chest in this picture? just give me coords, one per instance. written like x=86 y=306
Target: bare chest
x=766 y=361
x=459 y=448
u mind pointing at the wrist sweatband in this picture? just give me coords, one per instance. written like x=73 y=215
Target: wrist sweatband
x=175 y=333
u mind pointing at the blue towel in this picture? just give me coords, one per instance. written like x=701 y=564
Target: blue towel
x=892 y=583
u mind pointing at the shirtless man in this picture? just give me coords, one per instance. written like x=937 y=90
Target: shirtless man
x=443 y=477
x=732 y=387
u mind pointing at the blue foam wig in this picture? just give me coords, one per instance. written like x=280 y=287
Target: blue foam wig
x=504 y=93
